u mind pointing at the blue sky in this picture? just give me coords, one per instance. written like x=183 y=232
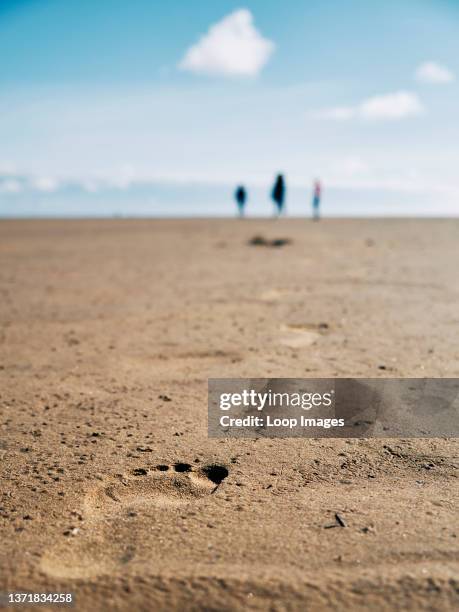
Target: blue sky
x=148 y=107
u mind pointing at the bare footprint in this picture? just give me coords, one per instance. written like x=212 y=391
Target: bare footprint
x=108 y=540
x=163 y=486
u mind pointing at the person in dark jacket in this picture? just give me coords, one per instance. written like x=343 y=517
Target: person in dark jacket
x=278 y=194
x=240 y=196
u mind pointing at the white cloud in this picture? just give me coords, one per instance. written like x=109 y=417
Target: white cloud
x=390 y=106
x=125 y=176
x=45 y=184
x=11 y=185
x=231 y=47
x=431 y=72
x=89 y=185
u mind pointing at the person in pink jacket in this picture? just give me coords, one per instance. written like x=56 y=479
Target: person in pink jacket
x=317 y=194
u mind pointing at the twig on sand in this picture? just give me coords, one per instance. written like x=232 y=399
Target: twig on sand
x=340 y=522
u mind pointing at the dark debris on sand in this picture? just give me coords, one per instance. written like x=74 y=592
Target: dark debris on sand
x=275 y=243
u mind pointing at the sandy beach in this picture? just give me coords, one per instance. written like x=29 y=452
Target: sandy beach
x=111 y=488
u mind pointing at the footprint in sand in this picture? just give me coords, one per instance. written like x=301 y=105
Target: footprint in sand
x=107 y=540
x=297 y=336
x=163 y=486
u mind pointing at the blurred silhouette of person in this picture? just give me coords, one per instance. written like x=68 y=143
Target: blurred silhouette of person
x=317 y=194
x=241 y=197
x=278 y=194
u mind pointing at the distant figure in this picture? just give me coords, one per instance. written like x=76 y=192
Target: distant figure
x=278 y=194
x=241 y=198
x=317 y=194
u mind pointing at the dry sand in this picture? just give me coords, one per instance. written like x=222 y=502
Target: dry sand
x=109 y=331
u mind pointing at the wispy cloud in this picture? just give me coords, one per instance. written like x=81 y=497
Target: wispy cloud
x=10 y=185
x=390 y=107
x=45 y=184
x=431 y=72
x=14 y=182
x=231 y=47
